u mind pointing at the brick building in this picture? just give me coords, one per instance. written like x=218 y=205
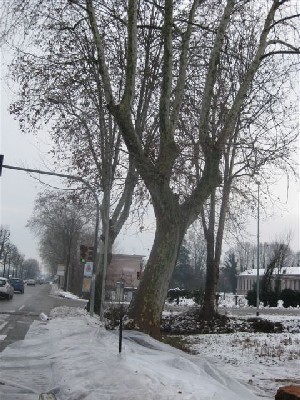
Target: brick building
x=127 y=270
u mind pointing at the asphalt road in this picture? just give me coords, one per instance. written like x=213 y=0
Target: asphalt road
x=17 y=315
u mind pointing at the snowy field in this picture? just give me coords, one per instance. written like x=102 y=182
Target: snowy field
x=262 y=361
x=75 y=357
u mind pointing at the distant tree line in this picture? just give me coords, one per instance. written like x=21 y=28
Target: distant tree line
x=61 y=223
x=190 y=269
x=12 y=262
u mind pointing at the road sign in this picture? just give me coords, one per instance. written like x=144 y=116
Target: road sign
x=61 y=270
x=88 y=269
x=86 y=285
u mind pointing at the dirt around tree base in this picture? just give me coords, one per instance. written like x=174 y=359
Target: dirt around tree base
x=193 y=322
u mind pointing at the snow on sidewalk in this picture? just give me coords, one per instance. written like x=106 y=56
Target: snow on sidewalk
x=73 y=356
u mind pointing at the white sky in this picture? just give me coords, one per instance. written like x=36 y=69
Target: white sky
x=73 y=356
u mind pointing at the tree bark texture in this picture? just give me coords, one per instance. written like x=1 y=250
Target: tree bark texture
x=147 y=304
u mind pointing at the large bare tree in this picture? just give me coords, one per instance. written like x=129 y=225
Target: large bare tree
x=154 y=61
x=177 y=33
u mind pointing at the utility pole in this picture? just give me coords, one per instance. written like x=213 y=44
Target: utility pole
x=257 y=278
x=79 y=179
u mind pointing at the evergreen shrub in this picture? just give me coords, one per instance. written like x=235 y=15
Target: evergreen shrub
x=291 y=298
x=251 y=298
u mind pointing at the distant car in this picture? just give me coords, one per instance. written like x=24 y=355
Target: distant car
x=18 y=284
x=30 y=282
x=6 y=289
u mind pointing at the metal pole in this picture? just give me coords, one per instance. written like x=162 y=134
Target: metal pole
x=95 y=258
x=76 y=178
x=257 y=279
x=120 y=331
x=105 y=248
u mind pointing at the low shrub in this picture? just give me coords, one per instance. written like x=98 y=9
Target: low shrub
x=291 y=298
x=251 y=298
x=265 y=326
x=269 y=298
x=198 y=296
x=112 y=315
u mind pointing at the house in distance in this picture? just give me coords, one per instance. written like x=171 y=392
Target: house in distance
x=289 y=278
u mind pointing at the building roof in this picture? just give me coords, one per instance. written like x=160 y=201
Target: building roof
x=252 y=272
x=284 y=271
x=127 y=256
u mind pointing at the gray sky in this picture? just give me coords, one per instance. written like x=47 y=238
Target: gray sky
x=18 y=191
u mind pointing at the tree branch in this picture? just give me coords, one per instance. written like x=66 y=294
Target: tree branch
x=166 y=87
x=122 y=209
x=179 y=90
x=284 y=19
x=131 y=54
x=296 y=49
x=100 y=52
x=211 y=74
x=254 y=65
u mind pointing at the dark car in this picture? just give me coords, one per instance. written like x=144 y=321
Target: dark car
x=18 y=284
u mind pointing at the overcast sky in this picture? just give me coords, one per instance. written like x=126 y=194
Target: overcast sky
x=19 y=190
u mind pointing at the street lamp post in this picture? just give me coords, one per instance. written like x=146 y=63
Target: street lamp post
x=75 y=178
x=257 y=278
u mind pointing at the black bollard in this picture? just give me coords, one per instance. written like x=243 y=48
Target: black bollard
x=120 y=332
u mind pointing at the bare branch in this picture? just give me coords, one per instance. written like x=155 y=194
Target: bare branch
x=234 y=111
x=212 y=73
x=280 y=21
x=131 y=54
x=179 y=90
x=296 y=49
x=100 y=51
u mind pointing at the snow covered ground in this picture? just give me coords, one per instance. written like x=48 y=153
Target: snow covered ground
x=73 y=356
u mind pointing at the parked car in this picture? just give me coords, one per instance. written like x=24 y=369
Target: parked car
x=18 y=284
x=6 y=289
x=30 y=282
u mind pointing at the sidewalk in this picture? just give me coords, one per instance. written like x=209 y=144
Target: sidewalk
x=74 y=357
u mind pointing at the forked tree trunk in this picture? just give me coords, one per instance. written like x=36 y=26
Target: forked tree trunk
x=147 y=304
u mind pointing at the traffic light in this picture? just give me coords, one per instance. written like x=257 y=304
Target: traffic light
x=90 y=254
x=1 y=162
x=83 y=253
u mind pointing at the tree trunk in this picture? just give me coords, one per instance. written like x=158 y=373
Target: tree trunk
x=147 y=304
x=214 y=242
x=100 y=278
x=209 y=304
